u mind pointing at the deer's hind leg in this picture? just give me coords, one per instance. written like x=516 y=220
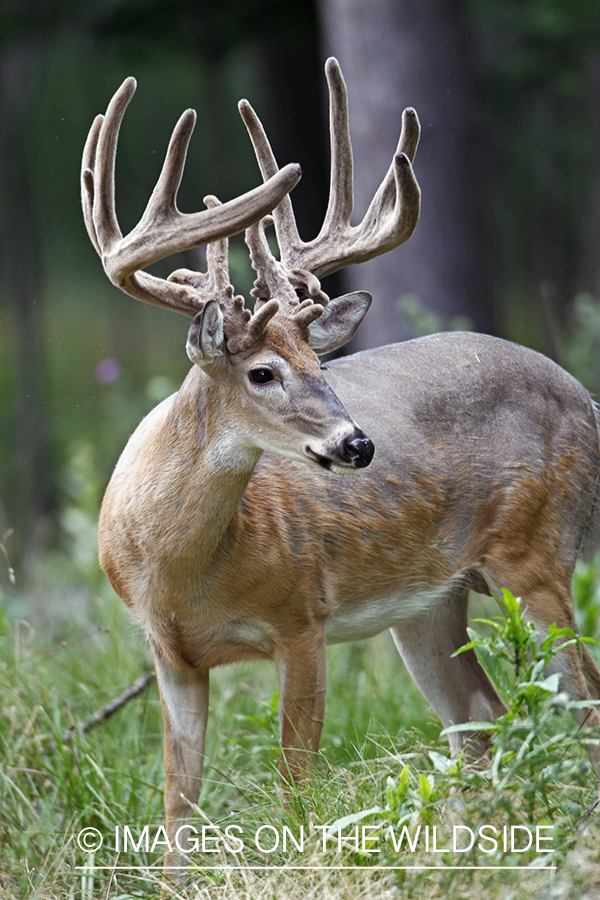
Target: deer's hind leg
x=457 y=687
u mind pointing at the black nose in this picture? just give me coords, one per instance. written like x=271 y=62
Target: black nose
x=359 y=451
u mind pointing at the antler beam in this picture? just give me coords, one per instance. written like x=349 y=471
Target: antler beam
x=163 y=229
x=390 y=219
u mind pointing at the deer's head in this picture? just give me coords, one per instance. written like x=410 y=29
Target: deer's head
x=262 y=363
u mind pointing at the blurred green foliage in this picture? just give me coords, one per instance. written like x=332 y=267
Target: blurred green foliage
x=586 y=594
x=540 y=88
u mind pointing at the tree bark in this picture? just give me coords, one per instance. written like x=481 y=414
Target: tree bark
x=398 y=53
x=30 y=496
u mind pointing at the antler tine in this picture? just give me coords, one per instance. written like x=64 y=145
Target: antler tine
x=217 y=256
x=268 y=269
x=163 y=229
x=272 y=279
x=410 y=134
x=393 y=213
x=390 y=219
x=87 y=180
x=242 y=329
x=341 y=177
x=213 y=284
x=285 y=221
x=104 y=213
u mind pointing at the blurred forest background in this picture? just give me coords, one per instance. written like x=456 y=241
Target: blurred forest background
x=508 y=92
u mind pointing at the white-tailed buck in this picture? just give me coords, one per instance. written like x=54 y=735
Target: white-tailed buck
x=225 y=527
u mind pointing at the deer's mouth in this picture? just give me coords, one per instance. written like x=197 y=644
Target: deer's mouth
x=323 y=461
x=338 y=467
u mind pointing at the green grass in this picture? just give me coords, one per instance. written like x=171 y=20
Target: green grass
x=382 y=763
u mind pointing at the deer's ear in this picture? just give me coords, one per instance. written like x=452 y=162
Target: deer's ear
x=206 y=340
x=339 y=321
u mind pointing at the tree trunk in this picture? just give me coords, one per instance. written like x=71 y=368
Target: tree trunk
x=398 y=53
x=29 y=496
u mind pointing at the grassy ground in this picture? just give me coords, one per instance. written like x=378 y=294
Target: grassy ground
x=67 y=650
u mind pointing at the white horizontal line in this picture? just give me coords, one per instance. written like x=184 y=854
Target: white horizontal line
x=285 y=868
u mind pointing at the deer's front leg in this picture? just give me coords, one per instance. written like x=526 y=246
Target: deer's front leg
x=302 y=670
x=184 y=701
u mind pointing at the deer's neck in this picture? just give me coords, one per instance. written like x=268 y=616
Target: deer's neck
x=176 y=489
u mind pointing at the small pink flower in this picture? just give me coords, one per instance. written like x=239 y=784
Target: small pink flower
x=108 y=370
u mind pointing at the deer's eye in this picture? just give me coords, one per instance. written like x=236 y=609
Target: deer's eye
x=261 y=375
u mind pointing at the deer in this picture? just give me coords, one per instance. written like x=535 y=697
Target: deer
x=472 y=463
